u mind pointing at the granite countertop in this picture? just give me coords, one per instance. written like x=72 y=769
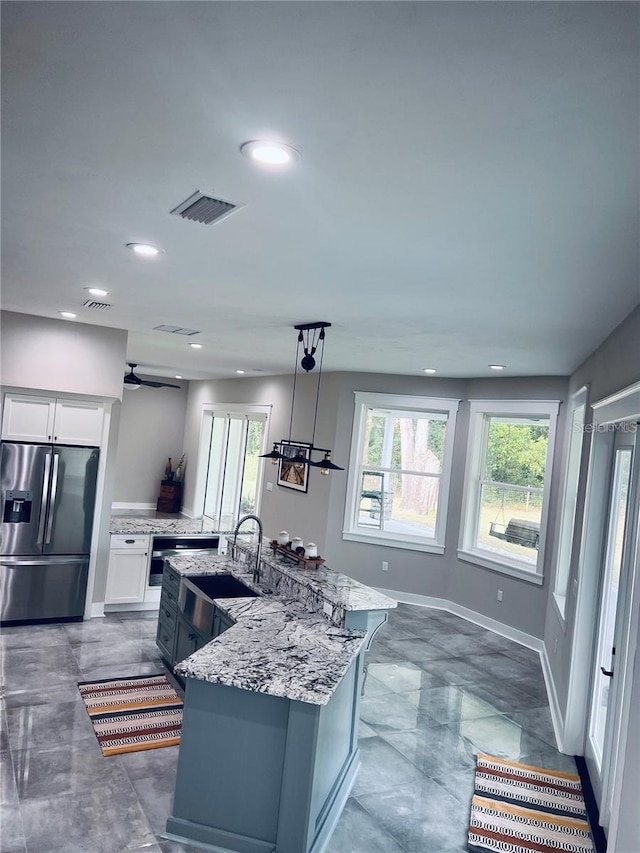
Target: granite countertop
x=339 y=589
x=161 y=524
x=276 y=646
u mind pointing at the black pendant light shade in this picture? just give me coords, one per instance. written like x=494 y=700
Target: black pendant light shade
x=273 y=454
x=326 y=463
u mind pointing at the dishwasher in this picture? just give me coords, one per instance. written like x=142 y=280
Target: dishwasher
x=169 y=546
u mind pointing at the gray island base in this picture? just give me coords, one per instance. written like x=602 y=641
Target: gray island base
x=269 y=747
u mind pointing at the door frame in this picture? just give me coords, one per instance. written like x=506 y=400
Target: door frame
x=622 y=406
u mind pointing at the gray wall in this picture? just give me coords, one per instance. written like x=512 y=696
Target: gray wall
x=613 y=366
x=440 y=576
x=319 y=514
x=152 y=424
x=301 y=514
x=62 y=356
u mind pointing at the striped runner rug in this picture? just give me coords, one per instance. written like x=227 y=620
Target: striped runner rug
x=131 y=714
x=522 y=809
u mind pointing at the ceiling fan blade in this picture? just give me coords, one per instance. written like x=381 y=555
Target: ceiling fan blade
x=158 y=384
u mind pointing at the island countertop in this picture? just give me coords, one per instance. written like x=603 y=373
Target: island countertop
x=276 y=646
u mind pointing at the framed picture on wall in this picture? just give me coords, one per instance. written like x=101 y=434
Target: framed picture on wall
x=294 y=475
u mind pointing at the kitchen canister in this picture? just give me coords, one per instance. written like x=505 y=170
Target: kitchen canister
x=283 y=538
x=312 y=549
x=296 y=542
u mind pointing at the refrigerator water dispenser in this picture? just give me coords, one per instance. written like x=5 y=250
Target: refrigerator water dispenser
x=17 y=507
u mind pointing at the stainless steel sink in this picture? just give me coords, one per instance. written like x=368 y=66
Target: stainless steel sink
x=222 y=586
x=195 y=600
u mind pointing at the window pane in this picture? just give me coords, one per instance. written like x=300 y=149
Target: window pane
x=251 y=465
x=516 y=451
x=393 y=440
x=509 y=522
x=399 y=503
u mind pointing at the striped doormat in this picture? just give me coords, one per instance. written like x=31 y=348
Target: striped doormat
x=131 y=714
x=522 y=809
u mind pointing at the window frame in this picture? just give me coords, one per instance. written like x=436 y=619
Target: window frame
x=365 y=400
x=209 y=411
x=479 y=411
x=564 y=556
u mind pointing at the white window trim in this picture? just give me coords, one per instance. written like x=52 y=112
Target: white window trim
x=240 y=409
x=477 y=411
x=577 y=399
x=402 y=402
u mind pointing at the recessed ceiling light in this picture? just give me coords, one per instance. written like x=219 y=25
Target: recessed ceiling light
x=430 y=370
x=269 y=153
x=68 y=315
x=240 y=371
x=96 y=291
x=195 y=346
x=178 y=376
x=145 y=249
x=496 y=366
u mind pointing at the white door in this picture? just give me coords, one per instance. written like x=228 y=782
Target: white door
x=28 y=418
x=603 y=723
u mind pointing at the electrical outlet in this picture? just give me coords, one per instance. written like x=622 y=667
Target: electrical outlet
x=499 y=595
x=269 y=487
x=327 y=609
x=385 y=566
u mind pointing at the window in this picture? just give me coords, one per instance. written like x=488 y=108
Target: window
x=399 y=470
x=506 y=494
x=572 y=475
x=230 y=470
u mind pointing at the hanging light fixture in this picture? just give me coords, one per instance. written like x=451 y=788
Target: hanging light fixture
x=311 y=336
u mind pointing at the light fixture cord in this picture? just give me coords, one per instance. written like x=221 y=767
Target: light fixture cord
x=293 y=392
x=315 y=414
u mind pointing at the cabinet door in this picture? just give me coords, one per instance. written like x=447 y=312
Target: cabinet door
x=187 y=640
x=127 y=576
x=78 y=422
x=28 y=418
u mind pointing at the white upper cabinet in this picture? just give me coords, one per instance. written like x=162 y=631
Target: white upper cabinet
x=47 y=419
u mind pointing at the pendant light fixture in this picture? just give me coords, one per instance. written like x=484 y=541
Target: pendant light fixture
x=311 y=336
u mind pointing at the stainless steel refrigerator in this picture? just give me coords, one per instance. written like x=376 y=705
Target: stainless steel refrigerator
x=47 y=495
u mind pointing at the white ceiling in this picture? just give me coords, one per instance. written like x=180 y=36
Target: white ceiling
x=467 y=193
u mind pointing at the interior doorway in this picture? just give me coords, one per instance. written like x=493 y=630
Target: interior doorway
x=608 y=600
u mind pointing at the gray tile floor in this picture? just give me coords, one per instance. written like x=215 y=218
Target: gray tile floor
x=439 y=689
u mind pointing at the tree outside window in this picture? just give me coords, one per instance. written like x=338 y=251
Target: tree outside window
x=509 y=462
x=397 y=485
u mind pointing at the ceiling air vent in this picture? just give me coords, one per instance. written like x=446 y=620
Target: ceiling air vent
x=175 y=330
x=205 y=208
x=96 y=306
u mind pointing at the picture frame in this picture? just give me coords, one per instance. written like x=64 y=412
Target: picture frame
x=294 y=476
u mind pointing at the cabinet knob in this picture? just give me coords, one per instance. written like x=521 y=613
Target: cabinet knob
x=130 y=541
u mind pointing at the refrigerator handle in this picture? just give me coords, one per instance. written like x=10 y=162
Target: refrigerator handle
x=52 y=499
x=45 y=497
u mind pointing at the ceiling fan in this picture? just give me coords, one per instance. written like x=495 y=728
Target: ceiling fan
x=133 y=382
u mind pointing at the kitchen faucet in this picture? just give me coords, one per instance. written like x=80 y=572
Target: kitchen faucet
x=256 y=568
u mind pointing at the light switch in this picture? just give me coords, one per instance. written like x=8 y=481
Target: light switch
x=269 y=487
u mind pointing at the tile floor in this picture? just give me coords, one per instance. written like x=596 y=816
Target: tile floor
x=439 y=689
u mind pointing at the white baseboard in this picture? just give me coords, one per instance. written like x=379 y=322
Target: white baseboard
x=135 y=506
x=138 y=605
x=97 y=609
x=554 y=706
x=507 y=631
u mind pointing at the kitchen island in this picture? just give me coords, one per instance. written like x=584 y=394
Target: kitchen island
x=269 y=745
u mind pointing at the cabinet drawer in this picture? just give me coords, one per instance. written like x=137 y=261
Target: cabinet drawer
x=169 y=596
x=122 y=540
x=170 y=580
x=168 y=613
x=164 y=641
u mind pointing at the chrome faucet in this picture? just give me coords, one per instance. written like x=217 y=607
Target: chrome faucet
x=256 y=568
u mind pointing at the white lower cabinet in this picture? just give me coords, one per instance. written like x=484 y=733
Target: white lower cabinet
x=128 y=569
